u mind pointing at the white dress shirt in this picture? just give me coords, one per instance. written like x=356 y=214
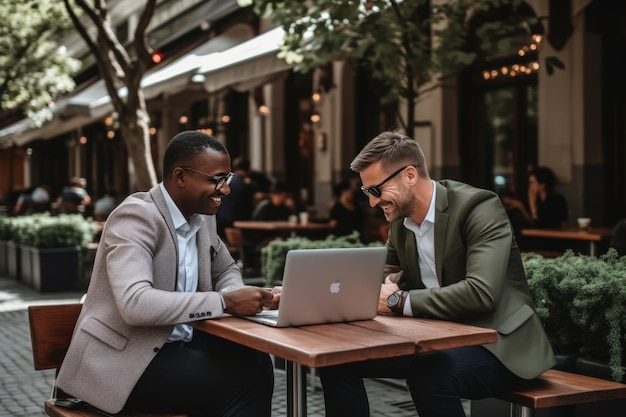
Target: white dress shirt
x=425 y=241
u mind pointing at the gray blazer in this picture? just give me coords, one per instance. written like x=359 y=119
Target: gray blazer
x=481 y=275
x=132 y=306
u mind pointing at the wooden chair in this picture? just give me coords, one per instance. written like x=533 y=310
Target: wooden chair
x=51 y=328
x=234 y=242
x=236 y=246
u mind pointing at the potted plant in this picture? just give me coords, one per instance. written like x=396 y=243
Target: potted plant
x=52 y=249
x=4 y=238
x=582 y=302
x=274 y=253
x=9 y=251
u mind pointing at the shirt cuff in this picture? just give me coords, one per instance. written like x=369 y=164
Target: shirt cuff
x=223 y=302
x=407 y=310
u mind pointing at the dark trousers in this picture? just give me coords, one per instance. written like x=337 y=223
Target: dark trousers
x=208 y=376
x=437 y=381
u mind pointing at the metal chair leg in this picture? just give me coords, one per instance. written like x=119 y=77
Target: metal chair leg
x=520 y=411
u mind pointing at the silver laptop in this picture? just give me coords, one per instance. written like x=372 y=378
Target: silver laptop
x=328 y=286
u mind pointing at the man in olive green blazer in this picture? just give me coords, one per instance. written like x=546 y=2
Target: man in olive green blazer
x=452 y=255
x=480 y=273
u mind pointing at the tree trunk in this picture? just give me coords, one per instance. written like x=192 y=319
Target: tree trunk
x=135 y=131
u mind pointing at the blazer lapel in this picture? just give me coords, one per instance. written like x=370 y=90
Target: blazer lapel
x=441 y=226
x=161 y=205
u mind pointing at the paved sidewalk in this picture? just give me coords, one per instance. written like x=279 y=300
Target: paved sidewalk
x=23 y=390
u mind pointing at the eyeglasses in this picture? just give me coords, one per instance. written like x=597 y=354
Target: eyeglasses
x=375 y=190
x=219 y=180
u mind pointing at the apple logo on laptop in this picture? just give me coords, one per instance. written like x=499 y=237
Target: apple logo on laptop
x=334 y=287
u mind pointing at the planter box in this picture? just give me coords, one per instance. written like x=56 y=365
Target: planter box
x=26 y=265
x=593 y=368
x=55 y=269
x=4 y=258
x=14 y=265
x=566 y=362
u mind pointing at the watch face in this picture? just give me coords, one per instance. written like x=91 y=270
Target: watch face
x=393 y=299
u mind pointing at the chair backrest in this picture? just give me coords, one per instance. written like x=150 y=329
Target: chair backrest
x=51 y=328
x=234 y=237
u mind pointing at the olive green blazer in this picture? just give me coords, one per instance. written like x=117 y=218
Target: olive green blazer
x=481 y=276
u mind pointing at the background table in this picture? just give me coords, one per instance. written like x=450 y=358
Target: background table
x=590 y=235
x=280 y=226
x=333 y=344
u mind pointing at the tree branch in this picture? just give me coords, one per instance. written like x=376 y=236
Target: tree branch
x=99 y=17
x=142 y=49
x=107 y=71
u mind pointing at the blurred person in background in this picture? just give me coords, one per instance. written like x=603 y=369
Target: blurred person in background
x=546 y=208
x=103 y=206
x=345 y=215
x=74 y=197
x=238 y=205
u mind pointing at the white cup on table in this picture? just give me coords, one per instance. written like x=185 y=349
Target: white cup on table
x=304 y=217
x=583 y=222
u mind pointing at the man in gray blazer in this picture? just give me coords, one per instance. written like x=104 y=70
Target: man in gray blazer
x=159 y=265
x=452 y=255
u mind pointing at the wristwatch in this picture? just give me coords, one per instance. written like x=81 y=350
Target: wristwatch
x=396 y=300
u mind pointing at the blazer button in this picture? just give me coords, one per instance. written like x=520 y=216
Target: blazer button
x=156 y=350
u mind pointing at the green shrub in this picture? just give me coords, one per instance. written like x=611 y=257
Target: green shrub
x=43 y=230
x=6 y=227
x=275 y=252
x=582 y=302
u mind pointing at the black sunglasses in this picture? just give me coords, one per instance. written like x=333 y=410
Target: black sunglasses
x=375 y=190
x=219 y=180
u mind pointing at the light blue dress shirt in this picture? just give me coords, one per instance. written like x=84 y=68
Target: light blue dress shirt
x=187 y=280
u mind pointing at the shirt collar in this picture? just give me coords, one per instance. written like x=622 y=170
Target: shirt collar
x=430 y=214
x=177 y=216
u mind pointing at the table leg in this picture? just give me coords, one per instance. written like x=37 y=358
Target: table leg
x=296 y=389
x=592 y=248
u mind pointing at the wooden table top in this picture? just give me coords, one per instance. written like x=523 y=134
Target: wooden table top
x=279 y=225
x=594 y=234
x=331 y=344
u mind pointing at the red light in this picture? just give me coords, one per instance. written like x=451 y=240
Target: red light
x=157 y=57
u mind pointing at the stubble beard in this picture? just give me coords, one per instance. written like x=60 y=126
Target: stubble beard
x=402 y=208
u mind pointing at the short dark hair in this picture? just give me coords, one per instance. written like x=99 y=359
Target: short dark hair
x=241 y=163
x=392 y=148
x=186 y=146
x=340 y=187
x=545 y=176
x=279 y=187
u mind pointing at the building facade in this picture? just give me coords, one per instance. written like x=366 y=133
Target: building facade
x=485 y=126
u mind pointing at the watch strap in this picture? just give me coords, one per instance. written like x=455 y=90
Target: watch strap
x=398 y=308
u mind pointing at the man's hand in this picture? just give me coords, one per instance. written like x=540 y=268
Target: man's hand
x=276 y=292
x=249 y=300
x=393 y=278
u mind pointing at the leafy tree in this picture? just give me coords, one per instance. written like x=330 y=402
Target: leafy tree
x=119 y=68
x=34 y=69
x=405 y=44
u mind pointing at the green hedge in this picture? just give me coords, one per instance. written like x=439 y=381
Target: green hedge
x=43 y=230
x=274 y=253
x=582 y=302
